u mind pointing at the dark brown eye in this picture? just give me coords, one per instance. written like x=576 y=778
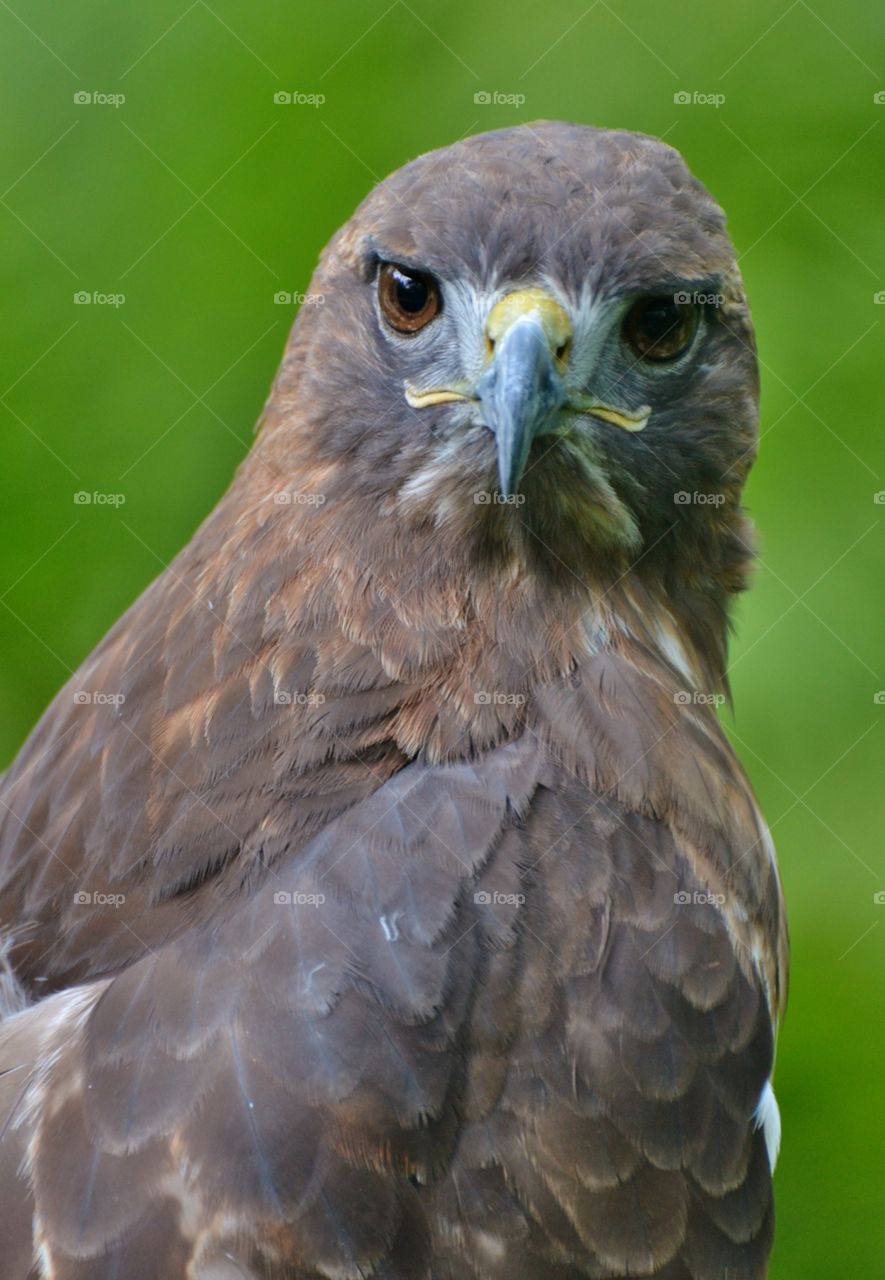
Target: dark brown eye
x=660 y=328
x=409 y=299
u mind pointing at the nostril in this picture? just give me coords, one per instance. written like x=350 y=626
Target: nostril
x=490 y=347
x=562 y=350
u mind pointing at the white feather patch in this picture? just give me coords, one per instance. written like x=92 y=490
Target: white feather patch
x=767 y=1117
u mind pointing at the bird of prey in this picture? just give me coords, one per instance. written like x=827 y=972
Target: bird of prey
x=382 y=897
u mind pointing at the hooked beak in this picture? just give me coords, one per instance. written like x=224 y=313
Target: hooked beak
x=528 y=338
x=528 y=334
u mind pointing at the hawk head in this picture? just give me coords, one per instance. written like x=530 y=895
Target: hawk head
x=536 y=342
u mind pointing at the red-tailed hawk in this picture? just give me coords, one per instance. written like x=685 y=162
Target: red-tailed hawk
x=382 y=897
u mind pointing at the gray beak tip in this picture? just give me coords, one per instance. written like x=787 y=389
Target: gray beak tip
x=519 y=392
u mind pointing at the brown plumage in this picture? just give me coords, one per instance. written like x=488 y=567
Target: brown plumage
x=406 y=913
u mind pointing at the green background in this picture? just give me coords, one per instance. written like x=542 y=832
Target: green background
x=199 y=198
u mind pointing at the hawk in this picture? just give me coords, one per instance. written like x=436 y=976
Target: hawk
x=382 y=897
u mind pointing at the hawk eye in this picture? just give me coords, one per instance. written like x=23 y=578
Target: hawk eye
x=660 y=327
x=409 y=299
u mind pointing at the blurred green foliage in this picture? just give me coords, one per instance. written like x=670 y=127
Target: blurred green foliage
x=199 y=198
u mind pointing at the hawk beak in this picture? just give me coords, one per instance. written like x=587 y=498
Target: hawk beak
x=528 y=340
x=527 y=335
